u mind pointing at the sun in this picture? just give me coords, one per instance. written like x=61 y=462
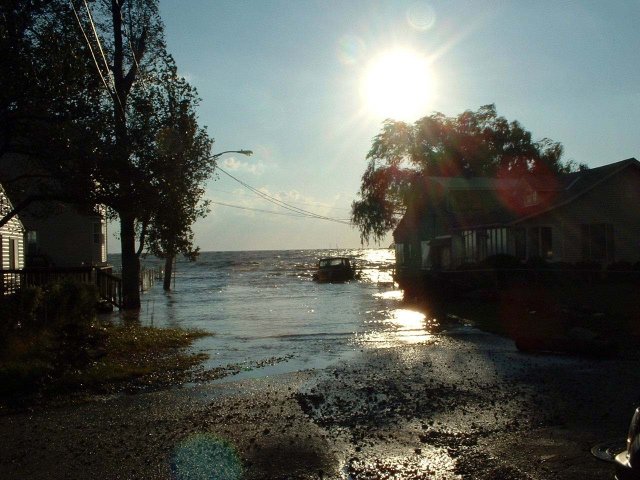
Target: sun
x=398 y=84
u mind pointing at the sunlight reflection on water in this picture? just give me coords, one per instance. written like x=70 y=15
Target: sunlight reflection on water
x=402 y=326
x=390 y=295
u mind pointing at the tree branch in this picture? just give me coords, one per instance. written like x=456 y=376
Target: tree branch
x=143 y=235
x=26 y=176
x=28 y=201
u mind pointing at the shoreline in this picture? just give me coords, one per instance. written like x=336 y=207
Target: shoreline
x=464 y=405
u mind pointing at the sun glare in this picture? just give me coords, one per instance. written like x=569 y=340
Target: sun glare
x=399 y=85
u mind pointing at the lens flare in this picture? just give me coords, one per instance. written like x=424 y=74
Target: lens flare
x=421 y=16
x=205 y=457
x=351 y=48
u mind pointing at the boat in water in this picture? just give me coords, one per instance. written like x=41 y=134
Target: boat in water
x=335 y=269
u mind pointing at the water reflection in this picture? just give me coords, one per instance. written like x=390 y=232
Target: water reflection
x=399 y=326
x=390 y=295
x=376 y=266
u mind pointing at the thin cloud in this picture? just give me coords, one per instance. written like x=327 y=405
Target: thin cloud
x=233 y=164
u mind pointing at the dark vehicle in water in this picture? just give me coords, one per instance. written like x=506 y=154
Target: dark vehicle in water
x=335 y=269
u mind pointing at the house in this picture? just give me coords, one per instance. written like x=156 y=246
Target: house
x=11 y=240
x=587 y=216
x=58 y=234
x=11 y=237
x=64 y=235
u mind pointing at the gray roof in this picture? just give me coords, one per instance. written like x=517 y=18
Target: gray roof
x=560 y=190
x=569 y=186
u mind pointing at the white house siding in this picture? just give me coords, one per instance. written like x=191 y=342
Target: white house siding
x=616 y=201
x=11 y=238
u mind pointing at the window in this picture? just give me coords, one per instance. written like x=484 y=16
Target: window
x=32 y=242
x=541 y=242
x=479 y=244
x=97 y=233
x=597 y=242
x=496 y=241
x=14 y=252
x=469 y=245
x=519 y=243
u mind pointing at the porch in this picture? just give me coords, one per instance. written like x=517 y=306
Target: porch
x=108 y=284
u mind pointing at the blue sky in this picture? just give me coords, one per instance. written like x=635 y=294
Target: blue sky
x=284 y=79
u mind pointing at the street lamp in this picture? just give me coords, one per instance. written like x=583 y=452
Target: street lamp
x=242 y=152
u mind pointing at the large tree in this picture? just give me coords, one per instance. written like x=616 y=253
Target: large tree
x=479 y=143
x=181 y=159
x=89 y=102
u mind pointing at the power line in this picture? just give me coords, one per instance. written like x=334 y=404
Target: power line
x=258 y=209
x=282 y=204
x=95 y=33
x=104 y=57
x=312 y=204
x=95 y=60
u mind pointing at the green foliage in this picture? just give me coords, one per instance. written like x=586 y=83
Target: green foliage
x=71 y=302
x=104 y=357
x=119 y=131
x=181 y=157
x=477 y=143
x=64 y=310
x=30 y=301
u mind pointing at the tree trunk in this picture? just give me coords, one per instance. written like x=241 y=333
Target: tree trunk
x=130 y=264
x=168 y=270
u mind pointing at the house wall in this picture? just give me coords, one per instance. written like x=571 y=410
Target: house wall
x=11 y=238
x=420 y=225
x=68 y=238
x=616 y=201
x=431 y=218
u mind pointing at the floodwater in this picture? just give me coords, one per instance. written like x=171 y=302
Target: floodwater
x=264 y=309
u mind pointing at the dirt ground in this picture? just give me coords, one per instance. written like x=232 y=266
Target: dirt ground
x=463 y=405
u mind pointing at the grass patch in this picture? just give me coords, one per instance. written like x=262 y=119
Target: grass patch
x=99 y=357
x=143 y=355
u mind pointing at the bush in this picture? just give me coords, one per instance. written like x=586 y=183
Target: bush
x=71 y=302
x=30 y=300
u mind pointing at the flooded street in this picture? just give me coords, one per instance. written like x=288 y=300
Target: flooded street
x=465 y=404
x=322 y=381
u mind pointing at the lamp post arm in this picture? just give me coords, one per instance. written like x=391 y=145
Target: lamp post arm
x=242 y=152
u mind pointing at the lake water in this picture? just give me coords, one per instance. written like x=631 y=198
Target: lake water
x=264 y=308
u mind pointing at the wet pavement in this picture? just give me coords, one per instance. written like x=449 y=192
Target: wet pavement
x=460 y=405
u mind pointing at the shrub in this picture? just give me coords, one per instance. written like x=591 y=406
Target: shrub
x=29 y=300
x=71 y=303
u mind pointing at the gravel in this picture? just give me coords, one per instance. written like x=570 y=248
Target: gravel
x=465 y=405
